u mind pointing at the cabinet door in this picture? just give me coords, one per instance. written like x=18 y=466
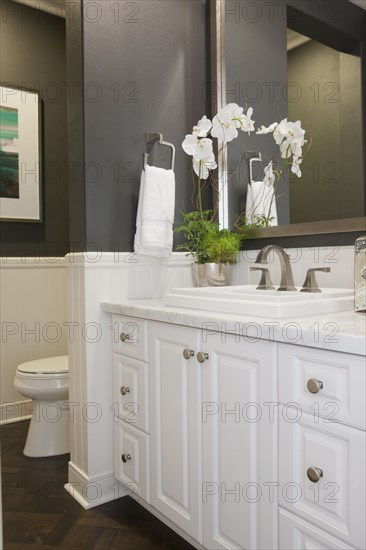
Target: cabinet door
x=322 y=475
x=175 y=386
x=131 y=459
x=297 y=534
x=239 y=453
x=130 y=383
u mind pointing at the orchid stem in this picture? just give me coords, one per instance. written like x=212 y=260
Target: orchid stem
x=199 y=198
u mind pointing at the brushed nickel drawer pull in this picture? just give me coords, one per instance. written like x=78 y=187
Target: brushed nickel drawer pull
x=188 y=353
x=314 y=385
x=125 y=458
x=123 y=337
x=124 y=390
x=314 y=474
x=202 y=357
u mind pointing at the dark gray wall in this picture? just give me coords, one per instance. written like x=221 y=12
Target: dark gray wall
x=32 y=54
x=145 y=67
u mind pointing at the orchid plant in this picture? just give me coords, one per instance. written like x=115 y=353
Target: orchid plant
x=225 y=126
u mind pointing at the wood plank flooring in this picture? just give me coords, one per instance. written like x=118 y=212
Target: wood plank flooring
x=38 y=514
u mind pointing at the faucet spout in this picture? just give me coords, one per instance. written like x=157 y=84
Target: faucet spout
x=287 y=280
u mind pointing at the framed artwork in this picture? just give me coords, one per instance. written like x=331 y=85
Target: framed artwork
x=20 y=155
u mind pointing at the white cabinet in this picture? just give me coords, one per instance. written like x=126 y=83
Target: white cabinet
x=131 y=459
x=337 y=380
x=322 y=448
x=131 y=405
x=175 y=398
x=239 y=441
x=130 y=391
x=333 y=500
x=241 y=444
x=211 y=435
x=297 y=534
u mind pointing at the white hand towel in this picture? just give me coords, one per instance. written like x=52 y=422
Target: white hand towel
x=259 y=197
x=155 y=213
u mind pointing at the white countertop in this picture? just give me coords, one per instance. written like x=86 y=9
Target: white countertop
x=344 y=332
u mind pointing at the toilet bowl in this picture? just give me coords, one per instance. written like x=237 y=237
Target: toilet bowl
x=46 y=381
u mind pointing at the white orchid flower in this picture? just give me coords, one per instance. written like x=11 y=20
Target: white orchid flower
x=267 y=129
x=269 y=177
x=204 y=149
x=202 y=167
x=190 y=144
x=290 y=137
x=197 y=148
x=295 y=168
x=224 y=125
x=246 y=123
x=203 y=127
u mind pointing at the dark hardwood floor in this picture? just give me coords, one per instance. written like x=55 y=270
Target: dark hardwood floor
x=38 y=514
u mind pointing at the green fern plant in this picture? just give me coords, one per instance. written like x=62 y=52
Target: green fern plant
x=223 y=247
x=197 y=226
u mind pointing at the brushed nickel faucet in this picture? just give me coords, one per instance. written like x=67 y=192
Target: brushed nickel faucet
x=287 y=280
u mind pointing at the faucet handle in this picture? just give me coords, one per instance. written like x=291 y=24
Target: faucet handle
x=310 y=283
x=265 y=283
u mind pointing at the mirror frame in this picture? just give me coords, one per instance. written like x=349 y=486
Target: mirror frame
x=218 y=73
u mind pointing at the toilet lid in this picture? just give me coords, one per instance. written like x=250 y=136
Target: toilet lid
x=49 y=365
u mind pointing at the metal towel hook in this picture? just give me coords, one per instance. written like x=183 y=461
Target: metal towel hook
x=152 y=139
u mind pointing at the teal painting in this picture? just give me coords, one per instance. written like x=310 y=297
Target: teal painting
x=9 y=153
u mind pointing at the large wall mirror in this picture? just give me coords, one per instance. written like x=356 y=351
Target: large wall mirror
x=304 y=60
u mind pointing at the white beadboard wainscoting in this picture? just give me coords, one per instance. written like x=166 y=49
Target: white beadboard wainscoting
x=33 y=301
x=106 y=277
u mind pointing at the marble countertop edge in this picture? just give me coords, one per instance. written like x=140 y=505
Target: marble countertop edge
x=343 y=332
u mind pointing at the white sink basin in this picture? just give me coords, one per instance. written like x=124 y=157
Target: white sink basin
x=246 y=300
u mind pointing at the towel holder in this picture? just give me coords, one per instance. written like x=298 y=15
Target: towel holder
x=258 y=158
x=152 y=139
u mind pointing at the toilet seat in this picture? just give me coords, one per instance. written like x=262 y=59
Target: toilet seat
x=54 y=366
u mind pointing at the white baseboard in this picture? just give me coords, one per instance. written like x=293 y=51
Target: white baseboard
x=15 y=412
x=93 y=491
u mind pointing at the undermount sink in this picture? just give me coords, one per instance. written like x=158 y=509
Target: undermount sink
x=247 y=300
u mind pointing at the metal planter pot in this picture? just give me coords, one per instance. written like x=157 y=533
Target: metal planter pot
x=212 y=274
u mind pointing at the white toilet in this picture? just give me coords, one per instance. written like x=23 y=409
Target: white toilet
x=46 y=381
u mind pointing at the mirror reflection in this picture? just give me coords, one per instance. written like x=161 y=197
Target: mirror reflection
x=325 y=89
x=311 y=73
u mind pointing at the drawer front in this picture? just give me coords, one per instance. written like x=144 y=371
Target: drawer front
x=338 y=380
x=131 y=459
x=336 y=501
x=130 y=337
x=297 y=534
x=130 y=388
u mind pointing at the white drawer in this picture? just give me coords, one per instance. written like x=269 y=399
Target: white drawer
x=343 y=379
x=297 y=534
x=130 y=336
x=131 y=459
x=336 y=502
x=130 y=391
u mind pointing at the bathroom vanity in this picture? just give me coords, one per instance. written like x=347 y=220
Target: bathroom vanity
x=242 y=432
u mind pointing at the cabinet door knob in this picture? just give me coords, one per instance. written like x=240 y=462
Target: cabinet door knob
x=125 y=458
x=124 y=390
x=314 y=385
x=314 y=474
x=188 y=353
x=201 y=357
x=123 y=337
